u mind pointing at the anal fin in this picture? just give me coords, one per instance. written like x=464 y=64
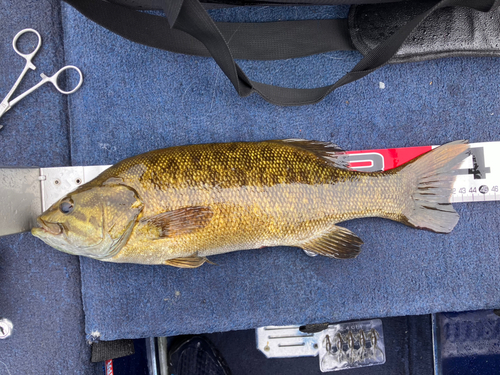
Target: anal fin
x=338 y=243
x=193 y=261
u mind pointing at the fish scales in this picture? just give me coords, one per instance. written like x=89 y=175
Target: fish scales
x=201 y=200
x=288 y=195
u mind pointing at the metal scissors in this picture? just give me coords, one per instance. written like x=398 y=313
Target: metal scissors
x=7 y=104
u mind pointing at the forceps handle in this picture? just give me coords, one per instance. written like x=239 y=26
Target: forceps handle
x=6 y=103
x=53 y=80
x=27 y=56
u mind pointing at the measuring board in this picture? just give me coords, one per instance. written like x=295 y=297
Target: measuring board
x=26 y=192
x=478 y=178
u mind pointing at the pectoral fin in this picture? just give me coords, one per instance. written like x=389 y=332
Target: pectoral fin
x=337 y=243
x=181 y=221
x=192 y=261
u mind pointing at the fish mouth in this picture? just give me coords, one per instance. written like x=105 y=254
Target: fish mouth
x=50 y=228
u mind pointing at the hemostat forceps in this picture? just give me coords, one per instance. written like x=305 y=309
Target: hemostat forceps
x=7 y=104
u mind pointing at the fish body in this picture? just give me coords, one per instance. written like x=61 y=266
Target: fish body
x=178 y=205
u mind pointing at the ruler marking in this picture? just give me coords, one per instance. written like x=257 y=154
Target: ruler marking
x=477 y=171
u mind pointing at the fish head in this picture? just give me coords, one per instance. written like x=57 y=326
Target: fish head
x=93 y=221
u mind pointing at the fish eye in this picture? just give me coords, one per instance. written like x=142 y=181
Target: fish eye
x=66 y=206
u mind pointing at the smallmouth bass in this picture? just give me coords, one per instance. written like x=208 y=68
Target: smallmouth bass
x=176 y=206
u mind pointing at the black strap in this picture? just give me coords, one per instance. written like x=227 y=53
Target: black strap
x=189 y=17
x=248 y=41
x=104 y=350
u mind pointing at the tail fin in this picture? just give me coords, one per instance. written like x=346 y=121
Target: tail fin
x=433 y=174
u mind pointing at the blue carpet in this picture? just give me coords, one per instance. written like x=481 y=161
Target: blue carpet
x=137 y=99
x=40 y=290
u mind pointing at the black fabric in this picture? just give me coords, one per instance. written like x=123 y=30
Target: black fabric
x=248 y=41
x=313 y=328
x=157 y=4
x=454 y=31
x=104 y=350
x=419 y=336
x=190 y=17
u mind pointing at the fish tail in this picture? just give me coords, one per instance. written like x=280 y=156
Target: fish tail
x=433 y=175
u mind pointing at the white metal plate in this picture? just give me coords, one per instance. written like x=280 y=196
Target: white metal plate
x=286 y=342
x=59 y=181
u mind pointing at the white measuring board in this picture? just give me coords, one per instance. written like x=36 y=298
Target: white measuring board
x=478 y=178
x=26 y=192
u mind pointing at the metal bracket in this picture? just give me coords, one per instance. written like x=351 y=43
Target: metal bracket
x=286 y=342
x=339 y=346
x=26 y=192
x=59 y=181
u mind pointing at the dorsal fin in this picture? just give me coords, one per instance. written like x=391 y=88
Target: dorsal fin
x=332 y=153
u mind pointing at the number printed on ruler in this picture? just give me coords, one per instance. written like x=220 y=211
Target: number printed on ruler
x=479 y=176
